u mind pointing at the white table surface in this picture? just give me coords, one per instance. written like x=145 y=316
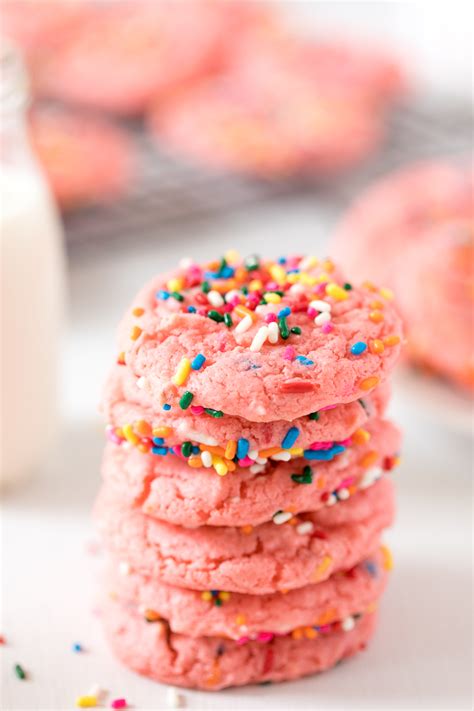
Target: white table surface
x=421 y=655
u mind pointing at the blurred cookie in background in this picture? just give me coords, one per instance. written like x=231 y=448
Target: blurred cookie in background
x=86 y=159
x=414 y=232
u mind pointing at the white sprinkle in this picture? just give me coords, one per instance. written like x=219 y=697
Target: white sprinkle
x=281 y=457
x=261 y=460
x=252 y=454
x=256 y=468
x=231 y=295
x=296 y=289
x=320 y=305
x=331 y=500
x=244 y=325
x=343 y=494
x=321 y=318
x=141 y=382
x=124 y=568
x=348 y=624
x=273 y=332
x=370 y=477
x=97 y=691
x=174 y=699
x=214 y=298
x=127 y=445
x=206 y=458
x=197 y=436
x=307 y=262
x=304 y=528
x=281 y=517
x=259 y=338
x=185 y=263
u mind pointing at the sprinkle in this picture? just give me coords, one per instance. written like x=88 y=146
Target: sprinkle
x=387 y=557
x=166 y=407
x=376 y=346
x=138 y=311
x=322 y=568
x=231 y=449
x=215 y=299
x=272 y=298
x=282 y=457
x=186 y=449
x=244 y=325
x=228 y=320
x=213 y=413
x=360 y=436
x=19 y=671
x=161 y=432
x=174 y=699
x=283 y=313
x=348 y=624
x=336 y=292
x=76 y=647
x=343 y=494
x=243 y=446
x=386 y=293
x=259 y=338
x=370 y=477
x=198 y=361
x=162 y=295
x=290 y=438
x=390 y=341
x=251 y=263
x=322 y=318
x=273 y=332
x=296 y=386
x=283 y=326
x=326 y=327
x=124 y=568
x=86 y=701
x=314 y=416
x=246 y=530
x=182 y=372
x=304 y=360
x=305 y=478
x=347 y=286
x=175 y=284
x=320 y=305
x=281 y=517
x=118 y=704
x=289 y=353
x=177 y=296
x=305 y=528
x=278 y=274
x=369 y=383
x=135 y=333
x=296 y=330
x=215 y=316
x=185 y=400
x=376 y=316
x=358 y=348
x=368 y=459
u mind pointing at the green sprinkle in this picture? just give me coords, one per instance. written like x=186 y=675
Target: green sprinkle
x=185 y=400
x=263 y=301
x=222 y=265
x=283 y=326
x=186 y=449
x=218 y=602
x=296 y=330
x=314 y=416
x=251 y=263
x=176 y=295
x=215 y=315
x=305 y=478
x=244 y=290
x=19 y=671
x=213 y=413
x=205 y=287
x=228 y=320
x=347 y=286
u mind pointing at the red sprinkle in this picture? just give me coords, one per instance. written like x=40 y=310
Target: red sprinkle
x=319 y=534
x=296 y=386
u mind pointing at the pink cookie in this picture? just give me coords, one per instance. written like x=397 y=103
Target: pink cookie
x=86 y=159
x=258 y=560
x=130 y=52
x=413 y=230
x=317 y=342
x=213 y=663
x=240 y=617
x=167 y=488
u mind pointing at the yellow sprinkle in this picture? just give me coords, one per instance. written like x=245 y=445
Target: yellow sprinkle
x=322 y=568
x=337 y=292
x=360 y=436
x=324 y=276
x=272 y=298
x=387 y=557
x=135 y=333
x=224 y=595
x=218 y=464
x=232 y=256
x=175 y=284
x=240 y=620
x=308 y=279
x=376 y=346
x=86 y=701
x=390 y=341
x=182 y=372
x=296 y=451
x=230 y=449
x=376 y=316
x=293 y=278
x=386 y=293
x=129 y=434
x=278 y=274
x=121 y=358
x=369 y=383
x=162 y=431
x=138 y=311
x=255 y=285
x=206 y=596
x=368 y=459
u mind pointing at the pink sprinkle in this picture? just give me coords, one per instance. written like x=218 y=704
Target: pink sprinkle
x=325 y=628
x=243 y=640
x=177 y=450
x=265 y=637
x=227 y=308
x=201 y=311
x=312 y=312
x=271 y=286
x=346 y=442
x=235 y=301
x=321 y=288
x=289 y=353
x=328 y=407
x=197 y=409
x=246 y=462
x=270 y=318
x=110 y=434
x=118 y=704
x=326 y=327
x=320 y=445
x=347 y=482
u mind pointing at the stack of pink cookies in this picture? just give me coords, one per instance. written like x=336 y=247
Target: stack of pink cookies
x=247 y=480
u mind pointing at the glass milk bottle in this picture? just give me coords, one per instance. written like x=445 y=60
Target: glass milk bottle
x=31 y=263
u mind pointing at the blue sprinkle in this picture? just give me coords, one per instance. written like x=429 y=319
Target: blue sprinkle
x=286 y=311
x=211 y=275
x=243 y=447
x=227 y=272
x=191 y=309
x=162 y=294
x=166 y=407
x=198 y=361
x=158 y=441
x=324 y=455
x=195 y=449
x=290 y=438
x=76 y=647
x=305 y=361
x=214 y=592
x=371 y=568
x=358 y=348
x=160 y=450
x=293 y=271
x=281 y=260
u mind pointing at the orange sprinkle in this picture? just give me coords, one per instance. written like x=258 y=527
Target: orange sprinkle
x=368 y=459
x=265 y=453
x=360 y=436
x=121 y=358
x=293 y=521
x=242 y=311
x=135 y=333
x=376 y=346
x=195 y=462
x=321 y=482
x=369 y=383
x=142 y=428
x=390 y=341
x=152 y=615
x=322 y=568
x=297 y=633
x=215 y=675
x=352 y=489
x=387 y=557
x=138 y=311
x=143 y=447
x=162 y=431
x=327 y=617
x=371 y=608
x=247 y=529
x=327 y=266
x=240 y=274
x=240 y=620
x=230 y=450
x=220 y=451
x=310 y=633
x=369 y=286
x=376 y=316
x=376 y=305
x=231 y=466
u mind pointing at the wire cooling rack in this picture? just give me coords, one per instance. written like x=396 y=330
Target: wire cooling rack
x=169 y=190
